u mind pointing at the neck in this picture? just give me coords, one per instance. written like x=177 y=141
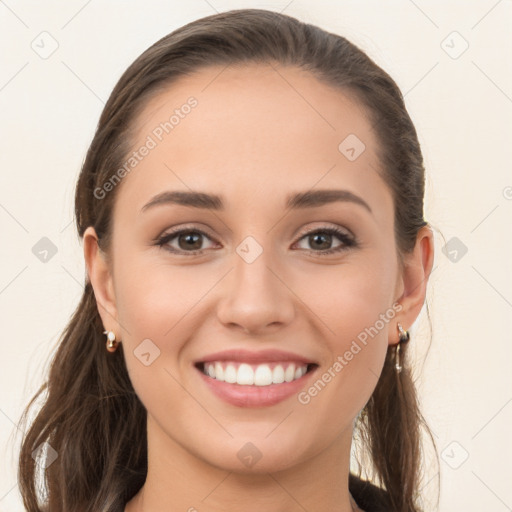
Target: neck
x=179 y=480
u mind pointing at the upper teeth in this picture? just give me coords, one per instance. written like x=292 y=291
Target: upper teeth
x=257 y=375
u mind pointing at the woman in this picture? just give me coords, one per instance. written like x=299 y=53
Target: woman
x=251 y=208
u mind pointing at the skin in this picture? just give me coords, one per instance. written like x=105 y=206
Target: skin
x=253 y=139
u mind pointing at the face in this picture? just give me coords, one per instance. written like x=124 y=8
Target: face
x=255 y=279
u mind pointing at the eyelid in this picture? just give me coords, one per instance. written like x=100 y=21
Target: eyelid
x=165 y=237
x=323 y=227
x=187 y=227
x=338 y=231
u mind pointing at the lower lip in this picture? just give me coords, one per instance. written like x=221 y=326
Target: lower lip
x=254 y=396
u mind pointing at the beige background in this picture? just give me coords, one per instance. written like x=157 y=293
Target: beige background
x=461 y=103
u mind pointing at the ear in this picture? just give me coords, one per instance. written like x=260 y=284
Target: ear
x=100 y=275
x=412 y=283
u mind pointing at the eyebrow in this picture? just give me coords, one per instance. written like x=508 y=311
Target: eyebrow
x=295 y=201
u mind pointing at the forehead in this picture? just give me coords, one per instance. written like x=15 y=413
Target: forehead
x=260 y=128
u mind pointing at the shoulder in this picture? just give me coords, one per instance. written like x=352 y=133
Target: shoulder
x=368 y=496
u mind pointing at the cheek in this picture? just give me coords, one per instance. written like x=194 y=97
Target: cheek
x=350 y=297
x=154 y=302
x=354 y=307
x=163 y=304
x=152 y=297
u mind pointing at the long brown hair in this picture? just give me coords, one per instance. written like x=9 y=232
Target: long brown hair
x=101 y=461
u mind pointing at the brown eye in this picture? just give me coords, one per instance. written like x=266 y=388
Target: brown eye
x=320 y=240
x=188 y=241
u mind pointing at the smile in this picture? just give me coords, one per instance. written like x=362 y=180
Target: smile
x=254 y=383
x=245 y=374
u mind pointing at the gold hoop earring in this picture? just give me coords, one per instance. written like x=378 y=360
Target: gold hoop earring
x=111 y=341
x=403 y=337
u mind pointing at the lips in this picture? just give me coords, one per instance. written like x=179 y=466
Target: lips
x=255 y=379
x=263 y=356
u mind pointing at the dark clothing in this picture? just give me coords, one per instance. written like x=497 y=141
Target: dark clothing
x=369 y=497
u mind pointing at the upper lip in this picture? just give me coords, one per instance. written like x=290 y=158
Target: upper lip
x=262 y=356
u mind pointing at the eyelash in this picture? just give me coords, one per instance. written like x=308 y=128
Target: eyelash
x=348 y=241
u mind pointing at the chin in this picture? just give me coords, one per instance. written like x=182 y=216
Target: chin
x=257 y=454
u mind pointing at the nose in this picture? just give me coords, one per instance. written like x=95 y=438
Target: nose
x=256 y=297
